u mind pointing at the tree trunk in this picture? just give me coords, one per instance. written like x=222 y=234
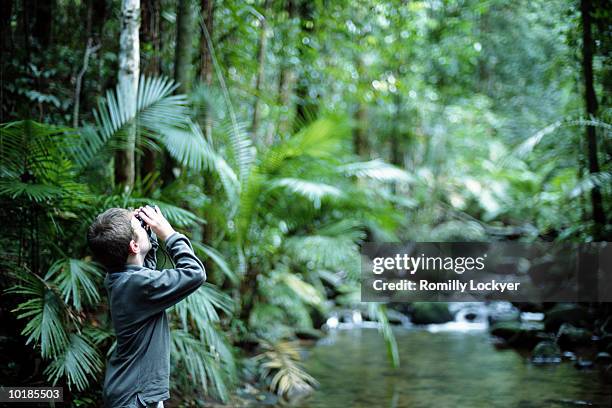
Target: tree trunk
x=599 y=217
x=396 y=155
x=360 y=138
x=43 y=20
x=261 y=70
x=129 y=70
x=6 y=11
x=99 y=11
x=206 y=65
x=184 y=34
x=182 y=65
x=206 y=76
x=150 y=36
x=396 y=147
x=306 y=108
x=286 y=86
x=206 y=68
x=287 y=80
x=25 y=30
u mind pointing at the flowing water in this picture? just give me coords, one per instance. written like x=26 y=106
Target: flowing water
x=443 y=368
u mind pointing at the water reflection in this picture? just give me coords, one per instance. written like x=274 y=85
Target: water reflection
x=441 y=368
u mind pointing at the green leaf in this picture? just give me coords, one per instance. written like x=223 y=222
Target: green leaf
x=217 y=258
x=45 y=312
x=79 y=363
x=76 y=278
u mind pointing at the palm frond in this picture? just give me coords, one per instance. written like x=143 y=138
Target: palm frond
x=321 y=138
x=283 y=359
x=377 y=170
x=45 y=312
x=75 y=278
x=311 y=190
x=190 y=148
x=531 y=142
x=324 y=251
x=200 y=307
x=217 y=258
x=302 y=289
x=603 y=178
x=294 y=299
x=208 y=368
x=79 y=363
x=32 y=192
x=157 y=112
x=34 y=162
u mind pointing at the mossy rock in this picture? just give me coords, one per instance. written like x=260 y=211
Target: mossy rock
x=574 y=314
x=519 y=335
x=309 y=334
x=570 y=336
x=430 y=313
x=546 y=352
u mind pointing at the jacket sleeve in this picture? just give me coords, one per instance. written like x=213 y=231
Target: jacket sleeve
x=150 y=260
x=167 y=287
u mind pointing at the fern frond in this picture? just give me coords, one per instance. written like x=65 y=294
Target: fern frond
x=217 y=258
x=45 y=312
x=313 y=191
x=75 y=278
x=283 y=359
x=377 y=170
x=79 y=363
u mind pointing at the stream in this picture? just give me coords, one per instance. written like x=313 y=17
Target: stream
x=441 y=366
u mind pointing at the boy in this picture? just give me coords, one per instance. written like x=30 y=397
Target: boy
x=138 y=371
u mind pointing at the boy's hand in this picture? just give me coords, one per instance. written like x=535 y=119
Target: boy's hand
x=156 y=220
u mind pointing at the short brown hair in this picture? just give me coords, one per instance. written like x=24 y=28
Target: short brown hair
x=109 y=237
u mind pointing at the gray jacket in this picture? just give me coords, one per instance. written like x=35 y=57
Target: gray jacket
x=139 y=367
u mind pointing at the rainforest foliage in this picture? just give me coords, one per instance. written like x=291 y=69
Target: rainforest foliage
x=279 y=135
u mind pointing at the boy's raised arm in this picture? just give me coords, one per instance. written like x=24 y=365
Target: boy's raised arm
x=167 y=287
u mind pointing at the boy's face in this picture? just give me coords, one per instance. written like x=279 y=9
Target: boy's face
x=141 y=244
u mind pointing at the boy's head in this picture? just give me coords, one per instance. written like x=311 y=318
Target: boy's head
x=115 y=235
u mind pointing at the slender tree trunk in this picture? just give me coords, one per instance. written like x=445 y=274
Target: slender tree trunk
x=184 y=34
x=396 y=156
x=261 y=69
x=599 y=217
x=396 y=153
x=182 y=66
x=99 y=11
x=287 y=79
x=360 y=139
x=206 y=65
x=25 y=28
x=206 y=68
x=286 y=85
x=206 y=77
x=90 y=49
x=306 y=108
x=129 y=70
x=43 y=20
x=150 y=35
x=6 y=11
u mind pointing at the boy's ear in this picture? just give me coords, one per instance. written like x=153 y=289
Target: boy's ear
x=134 y=247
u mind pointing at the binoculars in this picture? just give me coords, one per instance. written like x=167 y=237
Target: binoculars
x=142 y=222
